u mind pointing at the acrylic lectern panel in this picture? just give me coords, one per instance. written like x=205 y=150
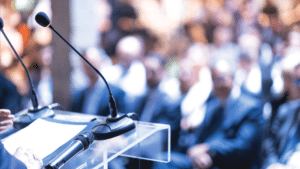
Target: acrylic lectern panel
x=148 y=141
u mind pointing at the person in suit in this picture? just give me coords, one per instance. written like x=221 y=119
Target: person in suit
x=289 y=158
x=22 y=158
x=155 y=106
x=285 y=131
x=129 y=72
x=10 y=98
x=94 y=98
x=229 y=136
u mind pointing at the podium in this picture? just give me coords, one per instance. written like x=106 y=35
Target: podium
x=148 y=141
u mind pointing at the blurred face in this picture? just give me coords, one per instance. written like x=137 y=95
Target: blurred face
x=222 y=36
x=126 y=59
x=154 y=72
x=188 y=76
x=222 y=82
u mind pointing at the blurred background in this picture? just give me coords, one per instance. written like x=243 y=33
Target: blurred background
x=260 y=39
x=204 y=30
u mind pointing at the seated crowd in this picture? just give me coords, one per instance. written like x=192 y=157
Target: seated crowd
x=230 y=92
x=216 y=121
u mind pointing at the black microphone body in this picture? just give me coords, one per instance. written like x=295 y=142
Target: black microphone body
x=81 y=143
x=114 y=125
x=75 y=148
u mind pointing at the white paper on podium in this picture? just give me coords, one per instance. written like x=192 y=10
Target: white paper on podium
x=42 y=137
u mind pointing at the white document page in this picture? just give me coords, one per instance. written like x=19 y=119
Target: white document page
x=42 y=137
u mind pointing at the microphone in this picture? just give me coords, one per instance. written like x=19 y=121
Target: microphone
x=32 y=94
x=117 y=124
x=43 y=20
x=81 y=143
x=25 y=117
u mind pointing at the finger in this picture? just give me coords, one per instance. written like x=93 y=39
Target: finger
x=4 y=112
x=30 y=155
x=198 y=163
x=204 y=147
x=3 y=128
x=19 y=151
x=192 y=151
x=206 y=160
x=33 y=159
x=20 y=154
x=11 y=117
x=198 y=149
x=6 y=123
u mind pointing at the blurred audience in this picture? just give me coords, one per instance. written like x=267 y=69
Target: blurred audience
x=194 y=78
x=155 y=57
x=155 y=105
x=230 y=134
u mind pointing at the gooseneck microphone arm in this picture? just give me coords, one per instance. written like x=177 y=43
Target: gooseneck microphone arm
x=111 y=98
x=33 y=94
x=114 y=125
x=42 y=19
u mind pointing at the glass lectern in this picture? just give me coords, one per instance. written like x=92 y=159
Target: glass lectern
x=148 y=141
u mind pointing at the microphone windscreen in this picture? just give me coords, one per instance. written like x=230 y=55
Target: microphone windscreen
x=42 y=19
x=1 y=24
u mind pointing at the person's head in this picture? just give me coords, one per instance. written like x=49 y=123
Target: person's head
x=222 y=35
x=129 y=49
x=250 y=42
x=222 y=77
x=245 y=61
x=288 y=66
x=189 y=74
x=272 y=11
x=155 y=71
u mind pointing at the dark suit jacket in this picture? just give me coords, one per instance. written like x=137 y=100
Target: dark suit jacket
x=275 y=144
x=235 y=142
x=9 y=96
x=103 y=107
x=163 y=111
x=7 y=161
x=290 y=146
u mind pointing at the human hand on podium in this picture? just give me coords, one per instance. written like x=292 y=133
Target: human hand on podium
x=28 y=158
x=6 y=119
